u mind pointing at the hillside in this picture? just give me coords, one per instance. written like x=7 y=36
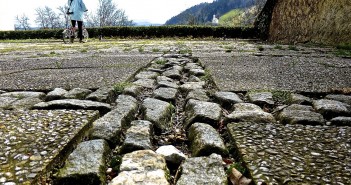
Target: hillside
x=203 y=13
x=240 y=16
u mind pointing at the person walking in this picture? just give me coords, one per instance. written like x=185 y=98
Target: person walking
x=76 y=9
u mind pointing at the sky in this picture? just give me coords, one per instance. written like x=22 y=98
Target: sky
x=153 y=11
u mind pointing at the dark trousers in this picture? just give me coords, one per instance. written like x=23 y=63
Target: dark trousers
x=80 y=28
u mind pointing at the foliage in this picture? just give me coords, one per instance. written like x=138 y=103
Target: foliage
x=231 y=18
x=107 y=14
x=204 y=12
x=343 y=50
x=140 y=32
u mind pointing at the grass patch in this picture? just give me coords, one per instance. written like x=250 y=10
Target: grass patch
x=119 y=87
x=278 y=47
x=293 y=48
x=155 y=50
x=343 y=50
x=161 y=61
x=207 y=76
x=84 y=50
x=141 y=49
x=185 y=51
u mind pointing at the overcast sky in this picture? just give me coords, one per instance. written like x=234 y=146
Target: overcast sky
x=154 y=11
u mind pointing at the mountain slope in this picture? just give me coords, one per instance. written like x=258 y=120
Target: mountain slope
x=203 y=13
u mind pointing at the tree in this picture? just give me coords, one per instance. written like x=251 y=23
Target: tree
x=107 y=14
x=64 y=17
x=22 y=22
x=47 y=18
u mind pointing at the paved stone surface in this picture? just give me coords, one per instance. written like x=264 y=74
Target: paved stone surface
x=205 y=140
x=138 y=136
x=202 y=170
x=109 y=127
x=32 y=141
x=236 y=66
x=142 y=167
x=200 y=111
x=86 y=164
x=276 y=69
x=158 y=112
x=276 y=153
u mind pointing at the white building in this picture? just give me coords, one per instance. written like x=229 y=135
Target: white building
x=215 y=20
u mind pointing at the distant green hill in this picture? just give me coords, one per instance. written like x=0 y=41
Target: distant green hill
x=232 y=18
x=203 y=13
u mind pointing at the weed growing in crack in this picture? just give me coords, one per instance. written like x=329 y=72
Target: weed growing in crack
x=119 y=87
x=293 y=48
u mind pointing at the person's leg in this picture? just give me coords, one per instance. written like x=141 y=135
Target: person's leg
x=80 y=30
x=73 y=22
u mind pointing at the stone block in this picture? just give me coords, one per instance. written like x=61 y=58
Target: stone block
x=200 y=111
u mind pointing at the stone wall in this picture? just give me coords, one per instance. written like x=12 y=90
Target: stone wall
x=317 y=21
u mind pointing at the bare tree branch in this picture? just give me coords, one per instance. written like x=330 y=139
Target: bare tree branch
x=22 y=22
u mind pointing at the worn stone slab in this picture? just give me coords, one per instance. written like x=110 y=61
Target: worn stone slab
x=86 y=165
x=133 y=90
x=24 y=94
x=198 y=94
x=147 y=83
x=227 y=98
x=247 y=112
x=300 y=99
x=300 y=114
x=200 y=111
x=193 y=78
x=147 y=75
x=165 y=94
x=138 y=136
x=261 y=98
x=25 y=103
x=167 y=84
x=339 y=97
x=205 y=140
x=109 y=127
x=341 y=121
x=103 y=94
x=164 y=78
x=33 y=142
x=55 y=94
x=202 y=170
x=142 y=167
x=173 y=73
x=158 y=112
x=5 y=102
x=189 y=86
x=331 y=108
x=297 y=154
x=77 y=93
x=74 y=104
x=191 y=65
x=197 y=72
x=171 y=154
